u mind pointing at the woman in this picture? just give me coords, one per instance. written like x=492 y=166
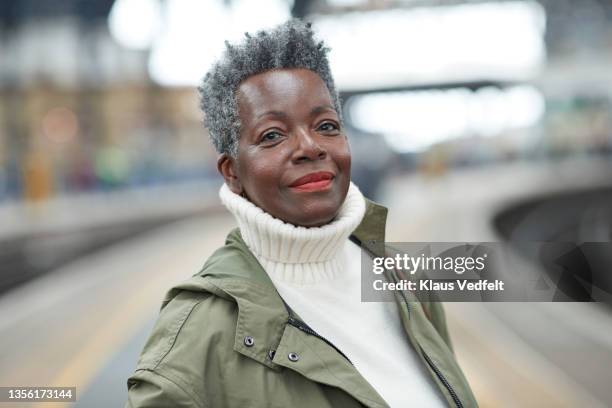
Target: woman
x=274 y=319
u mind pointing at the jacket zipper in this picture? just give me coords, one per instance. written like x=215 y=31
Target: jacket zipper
x=439 y=374
x=443 y=379
x=436 y=370
x=306 y=329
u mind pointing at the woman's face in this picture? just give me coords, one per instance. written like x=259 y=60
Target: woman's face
x=293 y=158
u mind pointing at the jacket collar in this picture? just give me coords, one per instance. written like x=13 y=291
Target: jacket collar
x=371 y=230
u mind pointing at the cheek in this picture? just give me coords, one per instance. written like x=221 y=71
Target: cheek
x=342 y=156
x=259 y=176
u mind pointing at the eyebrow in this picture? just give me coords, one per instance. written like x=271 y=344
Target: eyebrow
x=321 y=108
x=272 y=113
x=314 y=111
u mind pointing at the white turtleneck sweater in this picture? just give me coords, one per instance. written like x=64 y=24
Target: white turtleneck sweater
x=317 y=272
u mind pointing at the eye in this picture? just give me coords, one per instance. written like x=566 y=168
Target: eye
x=328 y=127
x=270 y=136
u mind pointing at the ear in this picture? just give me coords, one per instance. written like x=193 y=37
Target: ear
x=226 y=165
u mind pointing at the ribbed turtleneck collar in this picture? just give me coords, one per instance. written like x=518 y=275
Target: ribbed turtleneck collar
x=296 y=254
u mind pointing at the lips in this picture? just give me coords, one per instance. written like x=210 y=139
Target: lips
x=313 y=181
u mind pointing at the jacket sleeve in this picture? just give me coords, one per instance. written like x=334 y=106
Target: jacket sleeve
x=149 y=389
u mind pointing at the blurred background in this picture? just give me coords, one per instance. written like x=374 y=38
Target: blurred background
x=471 y=120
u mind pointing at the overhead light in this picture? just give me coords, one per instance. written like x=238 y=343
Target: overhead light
x=398 y=47
x=345 y=3
x=195 y=34
x=414 y=121
x=384 y=48
x=135 y=23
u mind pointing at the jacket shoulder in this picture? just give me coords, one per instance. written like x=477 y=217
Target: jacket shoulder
x=186 y=314
x=179 y=350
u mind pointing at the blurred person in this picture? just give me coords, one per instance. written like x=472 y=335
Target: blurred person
x=275 y=318
x=37 y=176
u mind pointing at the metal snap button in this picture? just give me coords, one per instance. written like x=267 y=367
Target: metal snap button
x=249 y=341
x=293 y=357
x=271 y=354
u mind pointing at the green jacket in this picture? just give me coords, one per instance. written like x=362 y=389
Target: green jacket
x=223 y=339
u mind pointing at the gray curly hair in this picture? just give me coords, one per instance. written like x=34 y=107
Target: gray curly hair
x=289 y=45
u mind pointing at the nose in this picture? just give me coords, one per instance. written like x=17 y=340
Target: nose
x=307 y=148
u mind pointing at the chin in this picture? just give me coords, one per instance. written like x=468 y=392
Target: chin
x=317 y=217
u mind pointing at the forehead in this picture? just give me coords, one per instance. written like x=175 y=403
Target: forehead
x=282 y=90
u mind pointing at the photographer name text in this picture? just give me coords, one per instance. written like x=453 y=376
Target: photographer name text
x=431 y=285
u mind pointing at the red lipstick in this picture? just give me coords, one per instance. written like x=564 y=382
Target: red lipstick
x=313 y=182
